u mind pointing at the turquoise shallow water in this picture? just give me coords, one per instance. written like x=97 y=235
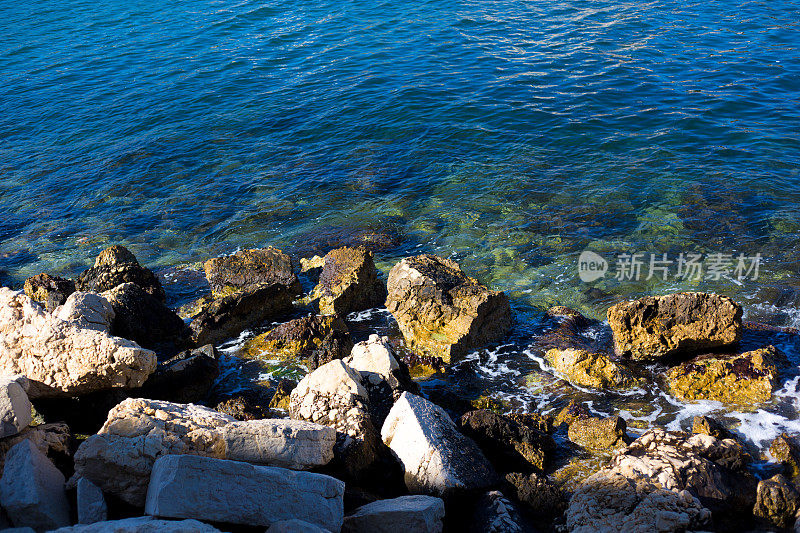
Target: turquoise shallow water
x=509 y=135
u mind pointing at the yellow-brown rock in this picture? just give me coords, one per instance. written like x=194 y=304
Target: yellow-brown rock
x=585 y=368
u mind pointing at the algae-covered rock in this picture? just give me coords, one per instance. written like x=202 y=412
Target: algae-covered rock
x=248 y=268
x=590 y=369
x=786 y=449
x=50 y=291
x=441 y=311
x=708 y=426
x=598 y=433
x=348 y=282
x=658 y=326
x=117 y=265
x=744 y=379
x=319 y=339
x=570 y=413
x=777 y=501
x=225 y=317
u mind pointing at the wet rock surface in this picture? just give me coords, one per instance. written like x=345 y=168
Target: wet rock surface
x=348 y=282
x=655 y=327
x=185 y=378
x=247 y=269
x=744 y=378
x=786 y=450
x=590 y=369
x=441 y=311
x=117 y=265
x=777 y=501
x=49 y=291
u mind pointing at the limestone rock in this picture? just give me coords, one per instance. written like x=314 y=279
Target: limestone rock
x=184 y=486
x=786 y=449
x=317 y=339
x=51 y=439
x=658 y=326
x=510 y=446
x=50 y=291
x=119 y=459
x=590 y=369
x=494 y=513
x=777 y=500
x=348 y=282
x=185 y=378
x=115 y=266
x=437 y=459
x=294 y=444
x=537 y=492
x=707 y=469
x=32 y=489
x=333 y=395
x=60 y=359
x=741 y=379
x=384 y=377
x=708 y=426
x=91 y=503
x=412 y=514
x=247 y=269
x=442 y=312
x=144 y=319
x=295 y=526
x=143 y=524
x=609 y=502
x=221 y=318
x=15 y=408
x=86 y=310
x=598 y=433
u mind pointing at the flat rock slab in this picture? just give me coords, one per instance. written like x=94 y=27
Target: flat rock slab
x=437 y=459
x=411 y=514
x=32 y=489
x=143 y=524
x=295 y=526
x=184 y=486
x=294 y=444
x=15 y=407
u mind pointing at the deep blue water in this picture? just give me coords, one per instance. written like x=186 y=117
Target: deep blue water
x=510 y=135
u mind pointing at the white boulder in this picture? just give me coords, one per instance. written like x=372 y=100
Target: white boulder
x=60 y=358
x=87 y=310
x=412 y=514
x=218 y=490
x=32 y=489
x=15 y=408
x=437 y=459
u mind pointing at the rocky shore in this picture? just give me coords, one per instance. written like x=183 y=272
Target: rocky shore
x=108 y=421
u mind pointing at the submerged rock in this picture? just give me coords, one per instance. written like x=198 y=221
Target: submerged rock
x=411 y=514
x=442 y=312
x=777 y=501
x=50 y=291
x=437 y=459
x=222 y=318
x=659 y=326
x=598 y=433
x=184 y=486
x=318 y=339
x=348 y=282
x=743 y=379
x=117 y=265
x=61 y=359
x=32 y=489
x=590 y=369
x=509 y=445
x=144 y=319
x=247 y=269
